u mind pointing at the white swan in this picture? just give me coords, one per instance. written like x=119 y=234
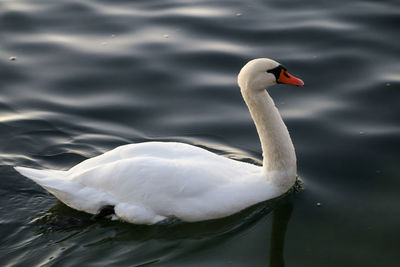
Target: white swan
x=148 y=182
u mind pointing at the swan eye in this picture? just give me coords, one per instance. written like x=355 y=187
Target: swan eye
x=276 y=71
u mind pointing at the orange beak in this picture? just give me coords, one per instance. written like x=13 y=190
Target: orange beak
x=285 y=77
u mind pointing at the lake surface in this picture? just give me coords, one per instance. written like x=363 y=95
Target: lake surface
x=78 y=78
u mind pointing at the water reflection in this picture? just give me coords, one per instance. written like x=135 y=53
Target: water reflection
x=280 y=220
x=173 y=238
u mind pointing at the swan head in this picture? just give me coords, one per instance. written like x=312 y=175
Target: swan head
x=261 y=73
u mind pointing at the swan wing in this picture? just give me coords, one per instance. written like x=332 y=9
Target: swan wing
x=149 y=182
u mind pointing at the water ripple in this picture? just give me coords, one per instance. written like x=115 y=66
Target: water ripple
x=80 y=78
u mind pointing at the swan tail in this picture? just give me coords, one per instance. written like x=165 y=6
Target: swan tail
x=53 y=181
x=39 y=176
x=71 y=193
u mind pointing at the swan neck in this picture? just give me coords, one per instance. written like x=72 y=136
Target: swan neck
x=277 y=147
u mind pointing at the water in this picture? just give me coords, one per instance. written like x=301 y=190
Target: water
x=88 y=76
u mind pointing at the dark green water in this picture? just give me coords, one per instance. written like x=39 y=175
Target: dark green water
x=92 y=75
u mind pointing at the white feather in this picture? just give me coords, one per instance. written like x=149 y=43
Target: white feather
x=149 y=182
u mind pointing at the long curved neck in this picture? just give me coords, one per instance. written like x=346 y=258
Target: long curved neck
x=278 y=151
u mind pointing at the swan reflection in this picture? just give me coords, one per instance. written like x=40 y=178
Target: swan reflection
x=280 y=219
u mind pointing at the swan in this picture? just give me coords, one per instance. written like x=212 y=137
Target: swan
x=148 y=182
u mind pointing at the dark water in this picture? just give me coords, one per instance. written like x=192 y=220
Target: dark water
x=92 y=75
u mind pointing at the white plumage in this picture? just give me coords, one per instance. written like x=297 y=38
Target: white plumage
x=149 y=182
